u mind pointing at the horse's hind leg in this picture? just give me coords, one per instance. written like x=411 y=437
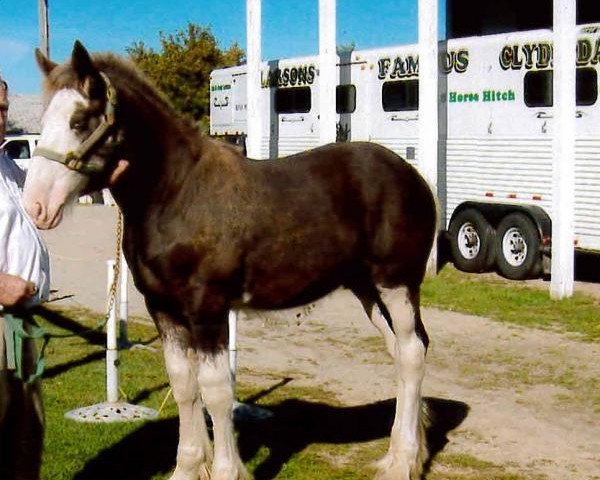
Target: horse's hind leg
x=407 y=344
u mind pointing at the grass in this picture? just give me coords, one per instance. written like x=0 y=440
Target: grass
x=513 y=303
x=311 y=435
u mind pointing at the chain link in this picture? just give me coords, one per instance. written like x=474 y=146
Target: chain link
x=112 y=293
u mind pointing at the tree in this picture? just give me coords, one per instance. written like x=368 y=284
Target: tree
x=181 y=69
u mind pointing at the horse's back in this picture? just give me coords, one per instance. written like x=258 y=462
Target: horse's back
x=351 y=206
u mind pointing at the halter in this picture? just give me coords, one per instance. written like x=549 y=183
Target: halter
x=76 y=160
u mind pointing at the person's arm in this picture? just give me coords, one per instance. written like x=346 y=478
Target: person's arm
x=14 y=290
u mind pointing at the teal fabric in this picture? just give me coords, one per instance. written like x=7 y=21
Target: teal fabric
x=15 y=333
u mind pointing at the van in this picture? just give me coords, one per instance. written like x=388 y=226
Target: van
x=20 y=148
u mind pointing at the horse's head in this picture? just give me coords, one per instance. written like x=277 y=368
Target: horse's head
x=77 y=151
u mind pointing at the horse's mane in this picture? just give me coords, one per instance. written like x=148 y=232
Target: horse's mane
x=133 y=86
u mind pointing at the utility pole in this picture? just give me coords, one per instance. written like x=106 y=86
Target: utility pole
x=253 y=86
x=44 y=31
x=328 y=73
x=563 y=196
x=428 y=101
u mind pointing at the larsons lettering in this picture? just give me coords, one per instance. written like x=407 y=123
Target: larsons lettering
x=289 y=76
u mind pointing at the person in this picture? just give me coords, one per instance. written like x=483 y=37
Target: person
x=24 y=283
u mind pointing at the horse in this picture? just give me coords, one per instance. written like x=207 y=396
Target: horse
x=207 y=230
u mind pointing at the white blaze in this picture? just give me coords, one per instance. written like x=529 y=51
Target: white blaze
x=50 y=185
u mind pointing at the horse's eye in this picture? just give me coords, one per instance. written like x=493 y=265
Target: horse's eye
x=78 y=125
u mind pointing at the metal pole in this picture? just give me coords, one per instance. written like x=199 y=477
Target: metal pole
x=253 y=81
x=328 y=74
x=44 y=29
x=563 y=149
x=112 y=376
x=428 y=99
x=123 y=302
x=233 y=318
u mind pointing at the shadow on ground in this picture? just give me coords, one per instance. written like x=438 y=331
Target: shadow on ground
x=587 y=267
x=295 y=424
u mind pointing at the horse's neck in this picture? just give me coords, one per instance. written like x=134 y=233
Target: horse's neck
x=160 y=149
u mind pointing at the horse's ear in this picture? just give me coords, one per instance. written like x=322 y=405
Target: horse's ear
x=82 y=62
x=46 y=65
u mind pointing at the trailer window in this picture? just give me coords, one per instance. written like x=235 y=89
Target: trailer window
x=292 y=100
x=17 y=149
x=402 y=95
x=538 y=87
x=345 y=98
x=586 y=86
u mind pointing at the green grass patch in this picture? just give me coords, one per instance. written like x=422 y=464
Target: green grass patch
x=512 y=303
x=311 y=436
x=468 y=467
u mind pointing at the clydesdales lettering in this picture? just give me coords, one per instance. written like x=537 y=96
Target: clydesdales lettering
x=539 y=55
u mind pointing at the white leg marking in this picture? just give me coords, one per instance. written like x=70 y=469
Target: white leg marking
x=216 y=386
x=194 y=452
x=377 y=318
x=407 y=450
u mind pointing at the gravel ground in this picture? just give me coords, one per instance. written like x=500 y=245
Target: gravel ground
x=528 y=392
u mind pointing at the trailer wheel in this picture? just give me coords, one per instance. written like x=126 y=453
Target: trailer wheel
x=472 y=242
x=518 y=247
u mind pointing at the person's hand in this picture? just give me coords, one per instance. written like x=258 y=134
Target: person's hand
x=14 y=290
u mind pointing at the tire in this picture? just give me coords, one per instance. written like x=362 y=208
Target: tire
x=518 y=254
x=472 y=241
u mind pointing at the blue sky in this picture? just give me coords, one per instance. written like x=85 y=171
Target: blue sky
x=289 y=28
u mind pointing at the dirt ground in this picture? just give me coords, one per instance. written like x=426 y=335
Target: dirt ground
x=527 y=396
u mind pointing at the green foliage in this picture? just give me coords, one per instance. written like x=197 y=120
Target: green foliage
x=182 y=66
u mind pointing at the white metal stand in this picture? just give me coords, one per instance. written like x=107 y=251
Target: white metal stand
x=241 y=412
x=112 y=410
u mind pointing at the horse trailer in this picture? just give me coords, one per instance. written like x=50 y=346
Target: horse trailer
x=496 y=120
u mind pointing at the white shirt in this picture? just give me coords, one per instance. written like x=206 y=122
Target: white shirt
x=22 y=251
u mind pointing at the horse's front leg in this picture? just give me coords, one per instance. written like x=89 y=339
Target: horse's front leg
x=216 y=385
x=194 y=453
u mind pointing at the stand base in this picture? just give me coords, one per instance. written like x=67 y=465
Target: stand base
x=109 y=412
x=243 y=412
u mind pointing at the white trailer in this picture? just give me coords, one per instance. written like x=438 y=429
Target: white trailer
x=496 y=121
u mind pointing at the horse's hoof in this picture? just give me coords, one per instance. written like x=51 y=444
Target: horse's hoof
x=390 y=468
x=236 y=474
x=202 y=474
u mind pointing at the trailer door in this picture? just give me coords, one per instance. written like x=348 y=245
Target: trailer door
x=297 y=123
x=395 y=108
x=221 y=104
